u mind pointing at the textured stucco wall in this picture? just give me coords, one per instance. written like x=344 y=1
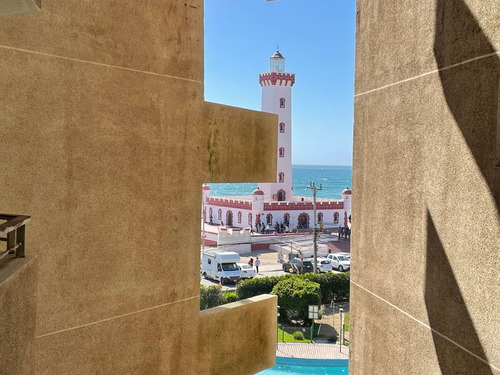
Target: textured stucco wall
x=18 y=282
x=425 y=283
x=106 y=140
x=235 y=326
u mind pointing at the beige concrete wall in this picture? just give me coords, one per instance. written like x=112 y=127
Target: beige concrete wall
x=245 y=328
x=426 y=240
x=106 y=140
x=18 y=283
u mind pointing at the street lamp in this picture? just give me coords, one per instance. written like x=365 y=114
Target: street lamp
x=313 y=187
x=340 y=331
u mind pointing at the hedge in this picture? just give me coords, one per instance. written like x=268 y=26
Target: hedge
x=331 y=285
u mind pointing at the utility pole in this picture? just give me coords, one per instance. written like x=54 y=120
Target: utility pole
x=313 y=187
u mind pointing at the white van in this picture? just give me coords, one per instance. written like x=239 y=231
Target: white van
x=221 y=266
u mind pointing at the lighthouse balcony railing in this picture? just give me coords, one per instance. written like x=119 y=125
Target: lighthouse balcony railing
x=13 y=232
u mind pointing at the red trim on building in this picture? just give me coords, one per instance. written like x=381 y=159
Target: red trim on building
x=230 y=203
x=272 y=78
x=259 y=246
x=209 y=242
x=280 y=206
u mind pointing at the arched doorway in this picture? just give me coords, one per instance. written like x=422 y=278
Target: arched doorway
x=229 y=219
x=281 y=195
x=303 y=221
x=269 y=219
x=286 y=218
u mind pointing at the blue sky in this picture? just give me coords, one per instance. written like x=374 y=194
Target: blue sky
x=317 y=39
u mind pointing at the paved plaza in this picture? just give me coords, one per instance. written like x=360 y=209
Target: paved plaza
x=312 y=351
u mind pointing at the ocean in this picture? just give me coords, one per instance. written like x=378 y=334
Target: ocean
x=334 y=179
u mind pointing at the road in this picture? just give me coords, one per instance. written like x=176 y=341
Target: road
x=265 y=270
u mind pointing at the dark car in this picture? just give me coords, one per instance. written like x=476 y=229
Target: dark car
x=298 y=265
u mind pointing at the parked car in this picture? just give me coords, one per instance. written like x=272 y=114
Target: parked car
x=340 y=262
x=323 y=265
x=247 y=271
x=298 y=265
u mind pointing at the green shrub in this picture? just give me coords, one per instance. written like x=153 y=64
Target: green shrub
x=331 y=284
x=257 y=286
x=211 y=297
x=230 y=297
x=298 y=335
x=295 y=293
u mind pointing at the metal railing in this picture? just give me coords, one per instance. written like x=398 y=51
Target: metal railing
x=13 y=232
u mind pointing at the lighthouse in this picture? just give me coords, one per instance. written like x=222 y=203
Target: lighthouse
x=272 y=207
x=277 y=98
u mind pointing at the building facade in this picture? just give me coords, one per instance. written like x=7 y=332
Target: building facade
x=425 y=248
x=106 y=140
x=273 y=204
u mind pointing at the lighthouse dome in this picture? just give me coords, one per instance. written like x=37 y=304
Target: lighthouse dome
x=257 y=192
x=346 y=191
x=277 y=55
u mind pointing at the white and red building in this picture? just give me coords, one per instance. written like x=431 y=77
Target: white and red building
x=273 y=203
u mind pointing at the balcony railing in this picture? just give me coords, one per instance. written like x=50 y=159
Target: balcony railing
x=13 y=232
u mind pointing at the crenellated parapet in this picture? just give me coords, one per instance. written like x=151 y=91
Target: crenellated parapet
x=279 y=79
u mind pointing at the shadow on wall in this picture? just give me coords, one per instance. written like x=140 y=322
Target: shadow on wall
x=471 y=95
x=471 y=90
x=448 y=314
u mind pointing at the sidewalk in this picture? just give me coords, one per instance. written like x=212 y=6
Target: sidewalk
x=311 y=351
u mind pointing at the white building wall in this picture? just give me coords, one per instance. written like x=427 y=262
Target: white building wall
x=225 y=210
x=294 y=216
x=271 y=95
x=328 y=217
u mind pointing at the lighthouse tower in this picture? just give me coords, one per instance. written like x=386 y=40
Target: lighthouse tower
x=277 y=98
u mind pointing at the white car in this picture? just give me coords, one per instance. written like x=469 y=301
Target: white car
x=323 y=265
x=247 y=271
x=340 y=262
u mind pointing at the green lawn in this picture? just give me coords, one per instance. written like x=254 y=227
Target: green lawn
x=289 y=335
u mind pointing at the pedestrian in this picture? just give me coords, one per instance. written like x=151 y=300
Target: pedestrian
x=250 y=262
x=257 y=264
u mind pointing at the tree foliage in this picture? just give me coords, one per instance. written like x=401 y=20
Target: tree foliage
x=211 y=297
x=296 y=294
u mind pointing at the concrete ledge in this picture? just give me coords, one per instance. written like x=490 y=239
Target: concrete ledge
x=238 y=338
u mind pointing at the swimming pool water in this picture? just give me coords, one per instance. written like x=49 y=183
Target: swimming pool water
x=299 y=366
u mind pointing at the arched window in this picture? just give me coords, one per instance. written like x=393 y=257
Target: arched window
x=282 y=127
x=220 y=214
x=320 y=217
x=336 y=218
x=281 y=195
x=281 y=177
x=239 y=217
x=282 y=152
x=282 y=103
x=269 y=219
x=250 y=219
x=286 y=218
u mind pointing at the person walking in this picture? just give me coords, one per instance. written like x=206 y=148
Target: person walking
x=250 y=262
x=257 y=264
